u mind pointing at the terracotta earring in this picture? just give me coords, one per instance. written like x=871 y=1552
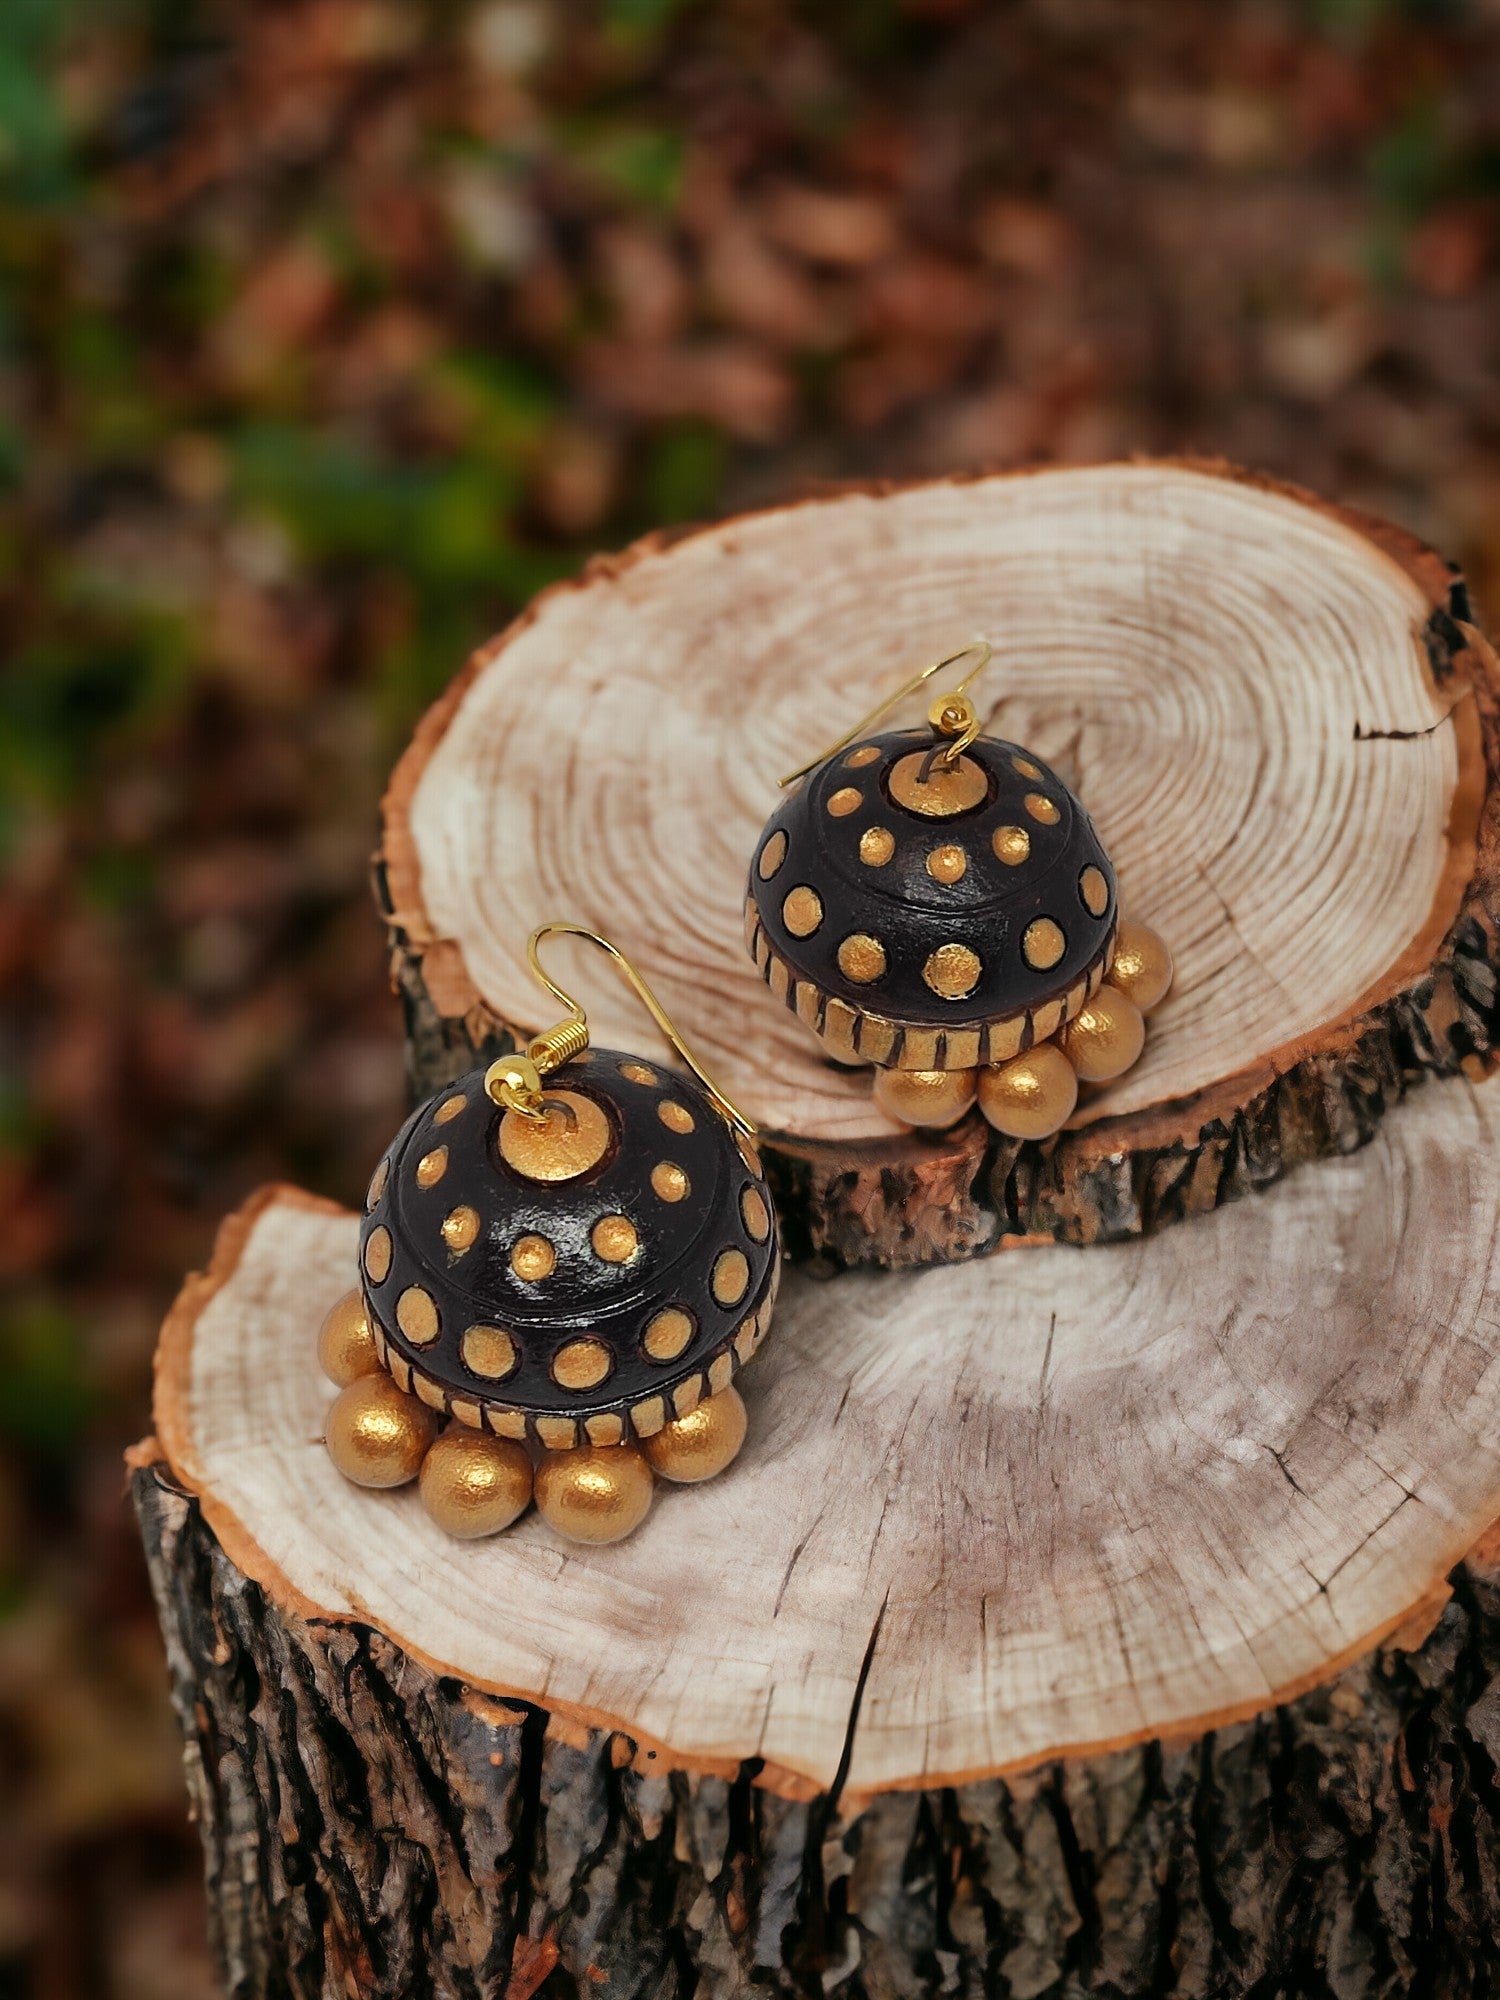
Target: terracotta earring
x=935 y=902
x=564 y=1261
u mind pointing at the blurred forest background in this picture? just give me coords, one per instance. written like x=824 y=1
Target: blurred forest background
x=332 y=329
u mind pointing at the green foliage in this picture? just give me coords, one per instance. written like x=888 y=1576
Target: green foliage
x=45 y=1395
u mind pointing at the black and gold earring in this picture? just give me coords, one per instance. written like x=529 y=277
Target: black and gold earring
x=936 y=902
x=565 y=1260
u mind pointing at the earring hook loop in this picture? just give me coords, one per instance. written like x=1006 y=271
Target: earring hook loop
x=953 y=715
x=510 y=1079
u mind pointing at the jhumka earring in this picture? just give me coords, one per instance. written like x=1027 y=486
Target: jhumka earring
x=564 y=1261
x=936 y=902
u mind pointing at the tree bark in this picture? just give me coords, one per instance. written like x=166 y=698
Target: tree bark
x=1280 y=715
x=373 y=1828
x=1076 y=1625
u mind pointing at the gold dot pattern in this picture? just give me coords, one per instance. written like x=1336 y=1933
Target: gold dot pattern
x=668 y=1334
x=862 y=958
x=1094 y=890
x=947 y=863
x=489 y=1351
x=582 y=1364
x=377 y=1182
x=615 y=1239
x=449 y=1109
x=772 y=855
x=1043 y=945
x=802 y=911
x=952 y=972
x=676 y=1117
x=432 y=1166
x=755 y=1214
x=845 y=800
x=460 y=1229
x=638 y=1072
x=1012 y=845
x=378 y=1255
x=669 y=1181
x=417 y=1316
x=731 y=1277
x=1025 y=767
x=533 y=1258
x=876 y=846
x=1042 y=809
x=865 y=754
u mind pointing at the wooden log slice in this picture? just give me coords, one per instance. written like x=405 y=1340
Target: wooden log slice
x=1052 y=1634
x=1279 y=715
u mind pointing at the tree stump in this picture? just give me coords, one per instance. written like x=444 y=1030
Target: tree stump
x=1279 y=715
x=1072 y=1624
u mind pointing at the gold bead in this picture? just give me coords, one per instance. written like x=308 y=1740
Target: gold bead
x=596 y=1493
x=473 y=1484
x=346 y=1346
x=1032 y=1097
x=1105 y=1037
x=925 y=1096
x=702 y=1443
x=1142 y=965
x=376 y=1435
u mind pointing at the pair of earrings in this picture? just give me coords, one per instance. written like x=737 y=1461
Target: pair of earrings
x=566 y=1258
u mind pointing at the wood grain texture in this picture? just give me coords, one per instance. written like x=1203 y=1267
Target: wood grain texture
x=1279 y=715
x=994 y=1512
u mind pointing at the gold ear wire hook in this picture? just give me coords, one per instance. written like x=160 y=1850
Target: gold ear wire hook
x=515 y=1081
x=952 y=715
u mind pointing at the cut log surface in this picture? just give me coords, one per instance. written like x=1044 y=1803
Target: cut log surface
x=1002 y=1513
x=1279 y=715
x=995 y=1524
